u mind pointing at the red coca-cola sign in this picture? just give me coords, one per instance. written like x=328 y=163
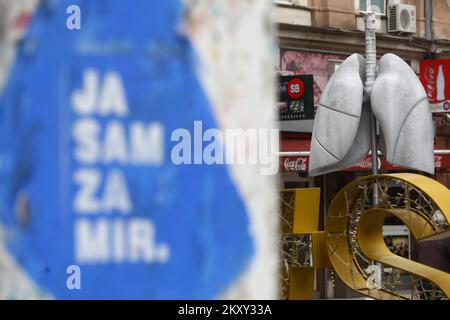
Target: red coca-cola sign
x=435 y=77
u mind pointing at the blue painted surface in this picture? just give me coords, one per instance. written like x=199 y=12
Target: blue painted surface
x=196 y=209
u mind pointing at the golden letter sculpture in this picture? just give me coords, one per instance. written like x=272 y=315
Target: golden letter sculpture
x=354 y=240
x=303 y=246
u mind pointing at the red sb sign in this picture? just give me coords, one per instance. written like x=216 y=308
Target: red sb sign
x=295 y=88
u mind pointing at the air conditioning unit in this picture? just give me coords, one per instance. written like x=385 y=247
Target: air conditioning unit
x=402 y=18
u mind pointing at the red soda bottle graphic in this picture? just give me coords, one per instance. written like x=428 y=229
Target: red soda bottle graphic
x=440 y=84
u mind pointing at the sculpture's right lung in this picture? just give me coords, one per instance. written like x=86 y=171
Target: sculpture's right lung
x=400 y=105
x=341 y=134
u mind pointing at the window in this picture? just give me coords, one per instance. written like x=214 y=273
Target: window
x=303 y=3
x=333 y=65
x=379 y=6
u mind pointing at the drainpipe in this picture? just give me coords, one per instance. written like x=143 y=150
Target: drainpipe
x=428 y=16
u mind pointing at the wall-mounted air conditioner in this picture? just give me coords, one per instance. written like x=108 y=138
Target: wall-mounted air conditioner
x=402 y=18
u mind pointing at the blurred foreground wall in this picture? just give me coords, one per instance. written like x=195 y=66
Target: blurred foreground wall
x=94 y=202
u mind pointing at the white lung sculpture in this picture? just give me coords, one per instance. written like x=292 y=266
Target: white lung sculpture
x=400 y=104
x=341 y=135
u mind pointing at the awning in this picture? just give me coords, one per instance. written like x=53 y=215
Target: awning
x=294 y=156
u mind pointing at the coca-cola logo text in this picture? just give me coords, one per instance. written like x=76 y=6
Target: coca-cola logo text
x=298 y=164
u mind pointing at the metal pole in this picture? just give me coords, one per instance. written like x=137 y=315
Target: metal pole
x=324 y=215
x=371 y=64
x=428 y=17
x=328 y=289
x=373 y=142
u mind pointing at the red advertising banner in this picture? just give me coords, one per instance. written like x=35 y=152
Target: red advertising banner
x=435 y=77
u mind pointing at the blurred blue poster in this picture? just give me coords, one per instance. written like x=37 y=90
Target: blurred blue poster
x=88 y=186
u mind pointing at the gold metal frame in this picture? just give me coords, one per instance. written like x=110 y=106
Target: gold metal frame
x=354 y=230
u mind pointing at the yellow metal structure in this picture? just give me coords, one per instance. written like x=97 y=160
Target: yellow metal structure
x=304 y=247
x=354 y=229
x=353 y=241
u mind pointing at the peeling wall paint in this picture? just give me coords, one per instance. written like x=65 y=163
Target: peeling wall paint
x=235 y=42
